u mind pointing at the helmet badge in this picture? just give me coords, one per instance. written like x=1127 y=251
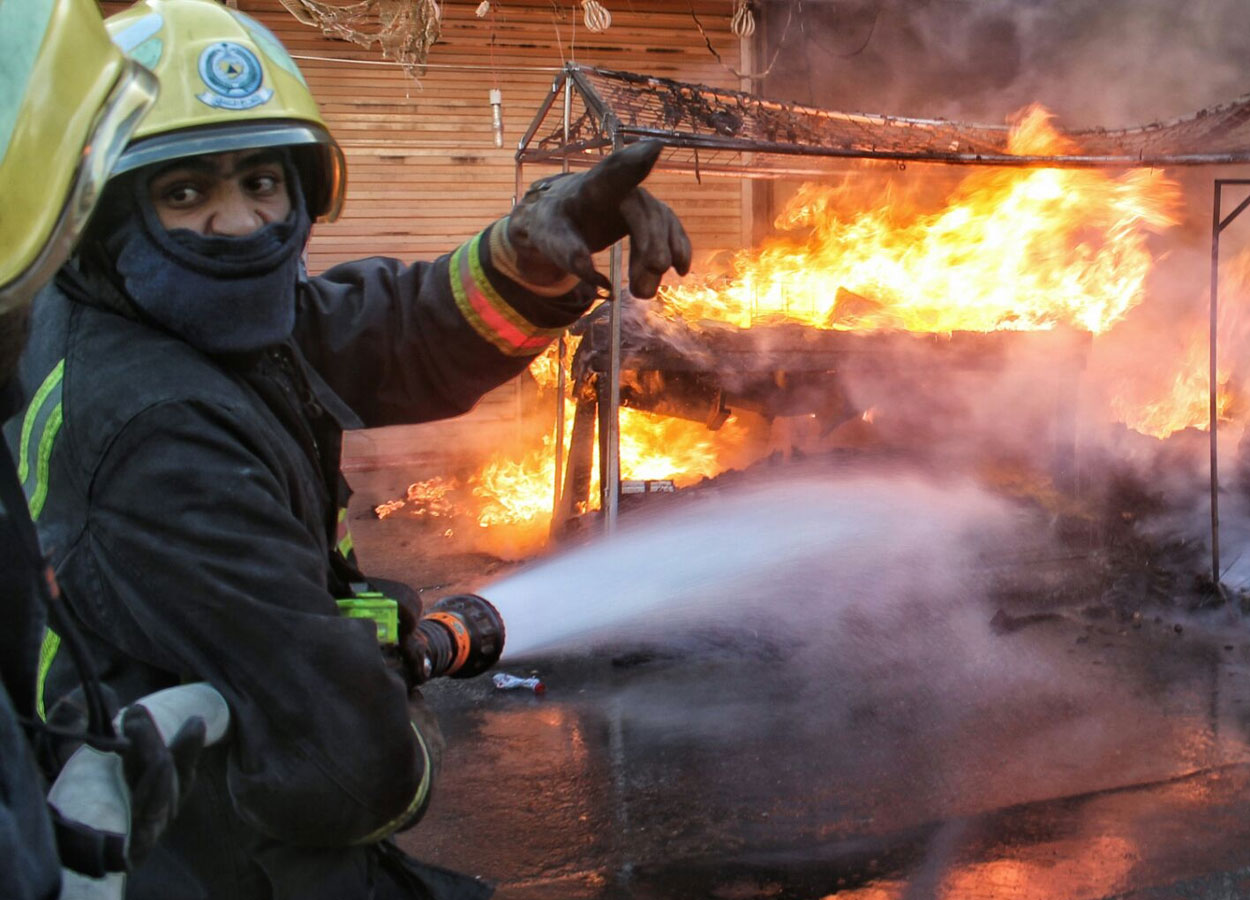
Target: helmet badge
x=233 y=76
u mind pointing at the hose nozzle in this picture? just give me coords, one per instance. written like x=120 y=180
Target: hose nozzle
x=461 y=636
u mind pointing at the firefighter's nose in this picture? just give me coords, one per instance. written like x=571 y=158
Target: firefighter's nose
x=235 y=215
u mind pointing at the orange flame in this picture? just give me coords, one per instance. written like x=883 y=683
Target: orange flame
x=1184 y=403
x=1013 y=249
x=1007 y=248
x=1173 y=391
x=517 y=492
x=663 y=448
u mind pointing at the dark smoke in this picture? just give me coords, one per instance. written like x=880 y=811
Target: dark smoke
x=1111 y=63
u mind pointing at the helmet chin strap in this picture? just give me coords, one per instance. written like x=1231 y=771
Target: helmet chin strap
x=219 y=294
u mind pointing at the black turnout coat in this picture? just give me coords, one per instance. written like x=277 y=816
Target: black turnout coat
x=189 y=504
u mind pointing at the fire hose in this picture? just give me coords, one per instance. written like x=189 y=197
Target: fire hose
x=461 y=636
x=91 y=789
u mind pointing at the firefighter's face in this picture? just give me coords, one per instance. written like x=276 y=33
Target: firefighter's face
x=222 y=194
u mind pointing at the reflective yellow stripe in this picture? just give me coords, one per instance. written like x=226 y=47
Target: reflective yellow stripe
x=40 y=425
x=423 y=790
x=34 y=411
x=47 y=653
x=345 y=544
x=491 y=316
x=44 y=463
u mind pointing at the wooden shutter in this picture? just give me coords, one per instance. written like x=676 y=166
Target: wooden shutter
x=423 y=170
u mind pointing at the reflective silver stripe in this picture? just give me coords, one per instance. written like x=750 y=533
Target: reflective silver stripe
x=39 y=430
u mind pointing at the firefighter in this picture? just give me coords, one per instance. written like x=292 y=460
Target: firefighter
x=189 y=385
x=72 y=101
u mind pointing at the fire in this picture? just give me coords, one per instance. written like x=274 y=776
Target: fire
x=1184 y=403
x=423 y=498
x=1019 y=249
x=1006 y=248
x=1173 y=391
x=661 y=447
x=516 y=492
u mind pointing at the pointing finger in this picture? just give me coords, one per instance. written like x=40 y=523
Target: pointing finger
x=611 y=180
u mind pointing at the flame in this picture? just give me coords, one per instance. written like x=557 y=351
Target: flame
x=663 y=448
x=1005 y=248
x=1173 y=391
x=423 y=498
x=1026 y=248
x=516 y=492
x=519 y=492
x=1184 y=403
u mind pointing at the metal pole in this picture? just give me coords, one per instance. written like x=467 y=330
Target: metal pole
x=1218 y=224
x=1213 y=388
x=611 y=473
x=561 y=343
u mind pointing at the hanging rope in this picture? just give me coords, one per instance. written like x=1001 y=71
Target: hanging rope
x=743 y=25
x=404 y=29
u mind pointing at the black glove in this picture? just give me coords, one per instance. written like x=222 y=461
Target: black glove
x=564 y=219
x=160 y=777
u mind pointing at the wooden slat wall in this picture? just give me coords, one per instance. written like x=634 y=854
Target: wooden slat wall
x=423 y=170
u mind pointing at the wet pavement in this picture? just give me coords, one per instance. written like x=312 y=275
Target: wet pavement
x=939 y=746
x=1067 y=759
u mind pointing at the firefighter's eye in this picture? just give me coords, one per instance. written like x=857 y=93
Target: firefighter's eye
x=177 y=191
x=182 y=195
x=264 y=182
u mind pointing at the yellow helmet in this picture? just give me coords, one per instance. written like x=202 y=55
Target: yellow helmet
x=226 y=84
x=69 y=105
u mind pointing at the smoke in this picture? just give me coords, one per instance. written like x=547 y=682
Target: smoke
x=793 y=554
x=1109 y=63
x=836 y=629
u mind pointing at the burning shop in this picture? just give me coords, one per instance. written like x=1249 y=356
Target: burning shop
x=973 y=296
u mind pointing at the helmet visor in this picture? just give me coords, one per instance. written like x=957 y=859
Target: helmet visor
x=312 y=145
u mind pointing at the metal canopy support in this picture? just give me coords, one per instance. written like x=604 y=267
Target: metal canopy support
x=610 y=467
x=609 y=137
x=561 y=346
x=1218 y=223
x=716 y=130
x=751 y=137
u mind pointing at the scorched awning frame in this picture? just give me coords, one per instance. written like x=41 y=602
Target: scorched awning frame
x=716 y=131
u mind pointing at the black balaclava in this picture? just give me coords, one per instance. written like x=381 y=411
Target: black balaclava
x=219 y=294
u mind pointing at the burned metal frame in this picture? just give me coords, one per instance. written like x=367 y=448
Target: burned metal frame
x=715 y=131
x=1218 y=223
